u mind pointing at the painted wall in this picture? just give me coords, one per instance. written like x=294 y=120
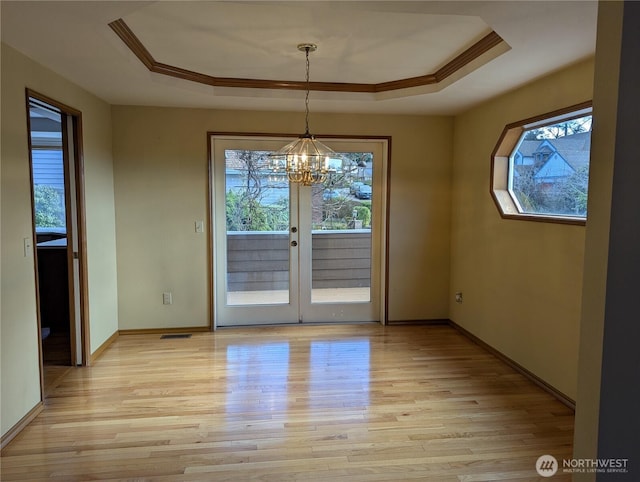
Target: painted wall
x=161 y=176
x=18 y=325
x=595 y=297
x=521 y=281
x=619 y=424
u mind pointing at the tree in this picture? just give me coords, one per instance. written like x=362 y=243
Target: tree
x=244 y=208
x=335 y=211
x=278 y=215
x=253 y=163
x=355 y=164
x=526 y=190
x=572 y=193
x=561 y=129
x=49 y=207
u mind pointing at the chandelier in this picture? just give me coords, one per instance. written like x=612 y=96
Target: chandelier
x=305 y=160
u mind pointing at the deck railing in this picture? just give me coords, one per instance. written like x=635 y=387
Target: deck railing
x=258 y=261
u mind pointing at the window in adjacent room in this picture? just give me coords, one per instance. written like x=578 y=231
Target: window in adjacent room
x=540 y=167
x=47 y=170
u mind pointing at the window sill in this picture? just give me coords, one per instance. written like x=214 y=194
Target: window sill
x=508 y=210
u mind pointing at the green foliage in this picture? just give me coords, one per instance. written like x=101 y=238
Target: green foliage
x=278 y=215
x=363 y=213
x=244 y=208
x=49 y=207
x=245 y=213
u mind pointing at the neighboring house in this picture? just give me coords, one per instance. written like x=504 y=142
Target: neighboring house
x=46 y=143
x=48 y=168
x=553 y=159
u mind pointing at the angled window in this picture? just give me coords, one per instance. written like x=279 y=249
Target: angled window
x=540 y=167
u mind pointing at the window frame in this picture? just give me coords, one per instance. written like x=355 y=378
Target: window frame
x=500 y=182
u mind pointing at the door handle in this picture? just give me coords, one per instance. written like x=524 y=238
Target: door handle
x=294 y=243
x=294 y=229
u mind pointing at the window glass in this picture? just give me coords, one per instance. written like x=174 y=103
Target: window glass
x=549 y=169
x=48 y=168
x=540 y=167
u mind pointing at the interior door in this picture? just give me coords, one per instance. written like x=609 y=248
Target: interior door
x=286 y=253
x=54 y=159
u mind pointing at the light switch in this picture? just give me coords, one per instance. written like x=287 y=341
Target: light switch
x=28 y=247
x=199 y=227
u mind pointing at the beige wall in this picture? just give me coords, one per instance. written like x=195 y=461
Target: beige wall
x=594 y=293
x=160 y=159
x=18 y=325
x=521 y=281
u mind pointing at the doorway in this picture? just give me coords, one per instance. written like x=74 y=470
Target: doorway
x=55 y=159
x=288 y=253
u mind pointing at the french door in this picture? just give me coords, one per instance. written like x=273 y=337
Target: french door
x=287 y=253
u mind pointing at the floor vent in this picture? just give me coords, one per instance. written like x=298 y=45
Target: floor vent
x=176 y=335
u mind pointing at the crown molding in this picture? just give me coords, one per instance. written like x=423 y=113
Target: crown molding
x=134 y=44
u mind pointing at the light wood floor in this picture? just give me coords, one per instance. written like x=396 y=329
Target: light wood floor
x=56 y=358
x=295 y=403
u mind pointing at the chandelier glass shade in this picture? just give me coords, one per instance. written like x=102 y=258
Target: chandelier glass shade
x=305 y=160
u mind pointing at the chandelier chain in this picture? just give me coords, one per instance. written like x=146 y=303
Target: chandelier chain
x=306 y=100
x=305 y=160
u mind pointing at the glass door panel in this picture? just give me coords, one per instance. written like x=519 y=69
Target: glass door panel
x=257 y=225
x=341 y=232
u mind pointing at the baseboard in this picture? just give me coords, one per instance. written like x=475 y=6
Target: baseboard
x=569 y=402
x=160 y=331
x=18 y=427
x=434 y=321
x=100 y=350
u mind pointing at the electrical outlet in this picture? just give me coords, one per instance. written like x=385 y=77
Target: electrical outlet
x=459 y=297
x=167 y=299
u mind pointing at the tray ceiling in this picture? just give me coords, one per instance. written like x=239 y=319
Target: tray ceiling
x=367 y=43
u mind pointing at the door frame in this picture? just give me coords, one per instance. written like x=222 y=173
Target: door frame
x=73 y=117
x=384 y=189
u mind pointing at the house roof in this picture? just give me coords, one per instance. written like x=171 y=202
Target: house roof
x=574 y=149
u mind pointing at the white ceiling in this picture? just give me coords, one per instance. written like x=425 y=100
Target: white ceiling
x=365 y=42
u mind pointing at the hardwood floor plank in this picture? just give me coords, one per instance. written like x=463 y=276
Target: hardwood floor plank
x=293 y=403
